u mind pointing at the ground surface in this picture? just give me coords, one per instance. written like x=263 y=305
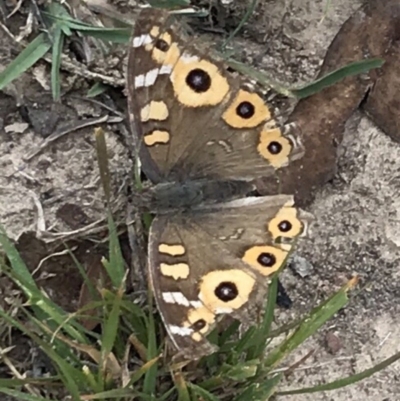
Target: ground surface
x=357 y=214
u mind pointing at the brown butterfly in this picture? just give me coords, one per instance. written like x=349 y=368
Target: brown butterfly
x=203 y=135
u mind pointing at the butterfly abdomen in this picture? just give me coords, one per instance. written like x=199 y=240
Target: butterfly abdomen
x=170 y=196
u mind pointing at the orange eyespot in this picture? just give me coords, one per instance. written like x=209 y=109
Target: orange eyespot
x=163 y=51
x=222 y=291
x=265 y=258
x=198 y=83
x=274 y=147
x=200 y=319
x=246 y=111
x=285 y=224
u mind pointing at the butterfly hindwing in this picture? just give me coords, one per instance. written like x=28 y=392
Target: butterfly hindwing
x=209 y=263
x=182 y=100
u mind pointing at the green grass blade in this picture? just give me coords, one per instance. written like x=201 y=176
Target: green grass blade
x=167 y=395
x=285 y=328
x=241 y=371
x=138 y=374
x=169 y=3
x=261 y=390
x=115 y=266
x=245 y=341
x=115 y=394
x=150 y=379
x=97 y=89
x=19 y=395
x=17 y=264
x=111 y=326
x=347 y=380
x=181 y=387
x=26 y=59
x=42 y=381
x=356 y=68
x=59 y=342
x=68 y=373
x=228 y=333
x=261 y=335
x=58 y=44
x=135 y=319
x=255 y=339
x=58 y=16
x=93 y=383
x=211 y=360
x=201 y=393
x=131 y=309
x=212 y=383
x=114 y=35
x=69 y=24
x=259 y=76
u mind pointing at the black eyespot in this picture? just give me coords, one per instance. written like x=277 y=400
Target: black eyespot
x=162 y=45
x=198 y=80
x=266 y=259
x=274 y=148
x=245 y=110
x=226 y=291
x=285 y=226
x=200 y=324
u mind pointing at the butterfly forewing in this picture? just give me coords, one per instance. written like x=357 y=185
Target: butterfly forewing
x=193 y=118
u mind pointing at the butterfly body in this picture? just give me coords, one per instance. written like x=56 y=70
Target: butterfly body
x=168 y=197
x=203 y=135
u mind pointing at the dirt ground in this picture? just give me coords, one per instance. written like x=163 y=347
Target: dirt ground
x=357 y=229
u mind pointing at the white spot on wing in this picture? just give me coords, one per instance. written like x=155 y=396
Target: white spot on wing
x=166 y=69
x=141 y=40
x=180 y=331
x=175 y=298
x=147 y=79
x=179 y=299
x=150 y=77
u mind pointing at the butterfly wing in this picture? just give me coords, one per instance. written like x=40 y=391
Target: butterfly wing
x=214 y=262
x=194 y=119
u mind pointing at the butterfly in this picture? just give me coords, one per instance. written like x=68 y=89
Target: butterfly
x=203 y=134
